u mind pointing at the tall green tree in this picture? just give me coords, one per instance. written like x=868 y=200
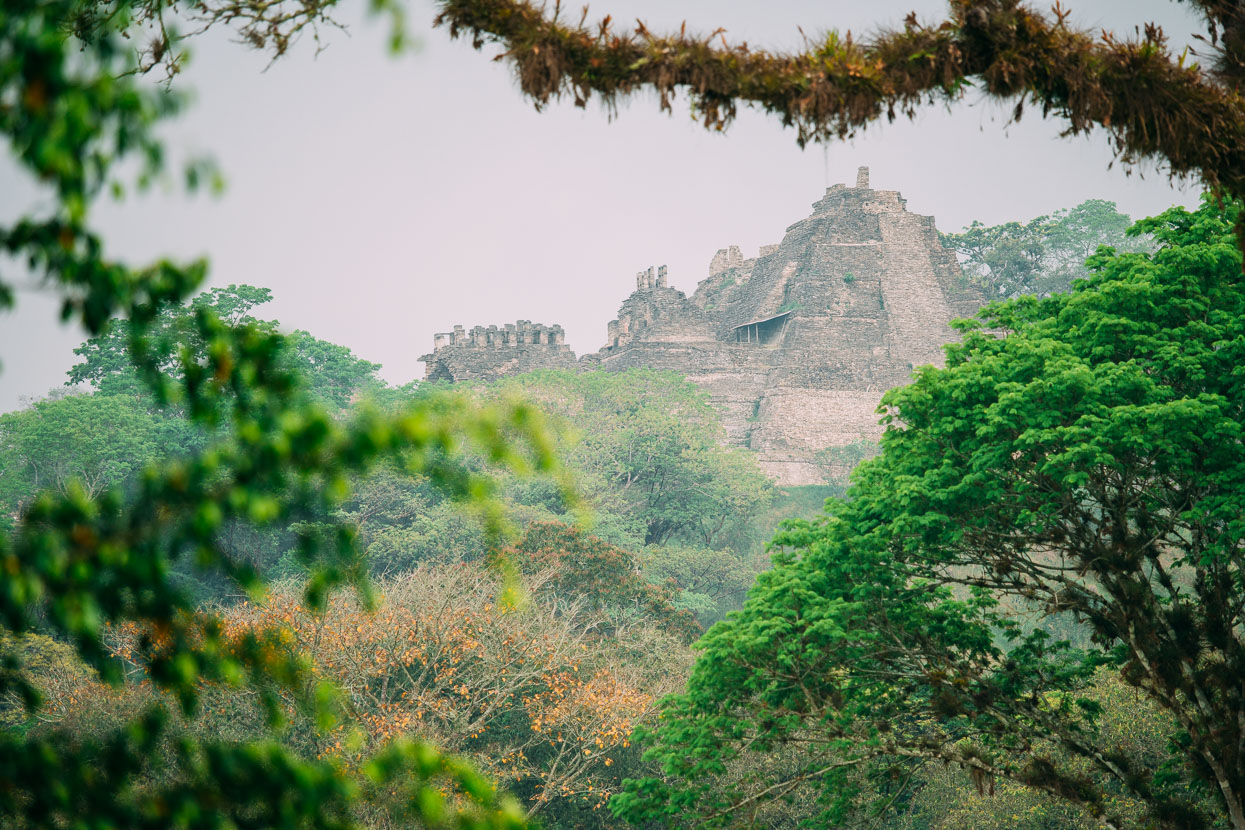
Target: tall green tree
x=332 y=374
x=1043 y=255
x=107 y=364
x=650 y=447
x=93 y=442
x=1088 y=460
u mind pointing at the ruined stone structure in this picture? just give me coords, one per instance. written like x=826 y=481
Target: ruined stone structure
x=796 y=345
x=492 y=352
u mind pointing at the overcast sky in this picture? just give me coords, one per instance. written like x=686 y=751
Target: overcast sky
x=384 y=200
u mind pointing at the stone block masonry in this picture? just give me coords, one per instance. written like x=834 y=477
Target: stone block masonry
x=794 y=346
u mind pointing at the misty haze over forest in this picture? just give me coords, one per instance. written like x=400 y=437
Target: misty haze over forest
x=489 y=415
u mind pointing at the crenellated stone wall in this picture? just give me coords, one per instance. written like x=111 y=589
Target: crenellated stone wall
x=490 y=352
x=795 y=346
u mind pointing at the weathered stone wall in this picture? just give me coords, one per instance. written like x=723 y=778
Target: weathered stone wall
x=911 y=290
x=487 y=353
x=794 y=425
x=656 y=313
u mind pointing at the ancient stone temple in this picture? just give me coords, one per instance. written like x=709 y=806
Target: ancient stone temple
x=797 y=345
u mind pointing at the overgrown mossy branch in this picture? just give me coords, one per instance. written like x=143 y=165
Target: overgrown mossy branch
x=1153 y=106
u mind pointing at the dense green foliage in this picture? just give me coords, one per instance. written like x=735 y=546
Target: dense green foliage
x=333 y=375
x=1043 y=255
x=75 y=566
x=603 y=575
x=649 y=455
x=91 y=442
x=1080 y=455
x=641 y=452
x=709 y=583
x=595 y=604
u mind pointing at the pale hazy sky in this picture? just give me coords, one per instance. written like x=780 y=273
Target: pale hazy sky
x=383 y=200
